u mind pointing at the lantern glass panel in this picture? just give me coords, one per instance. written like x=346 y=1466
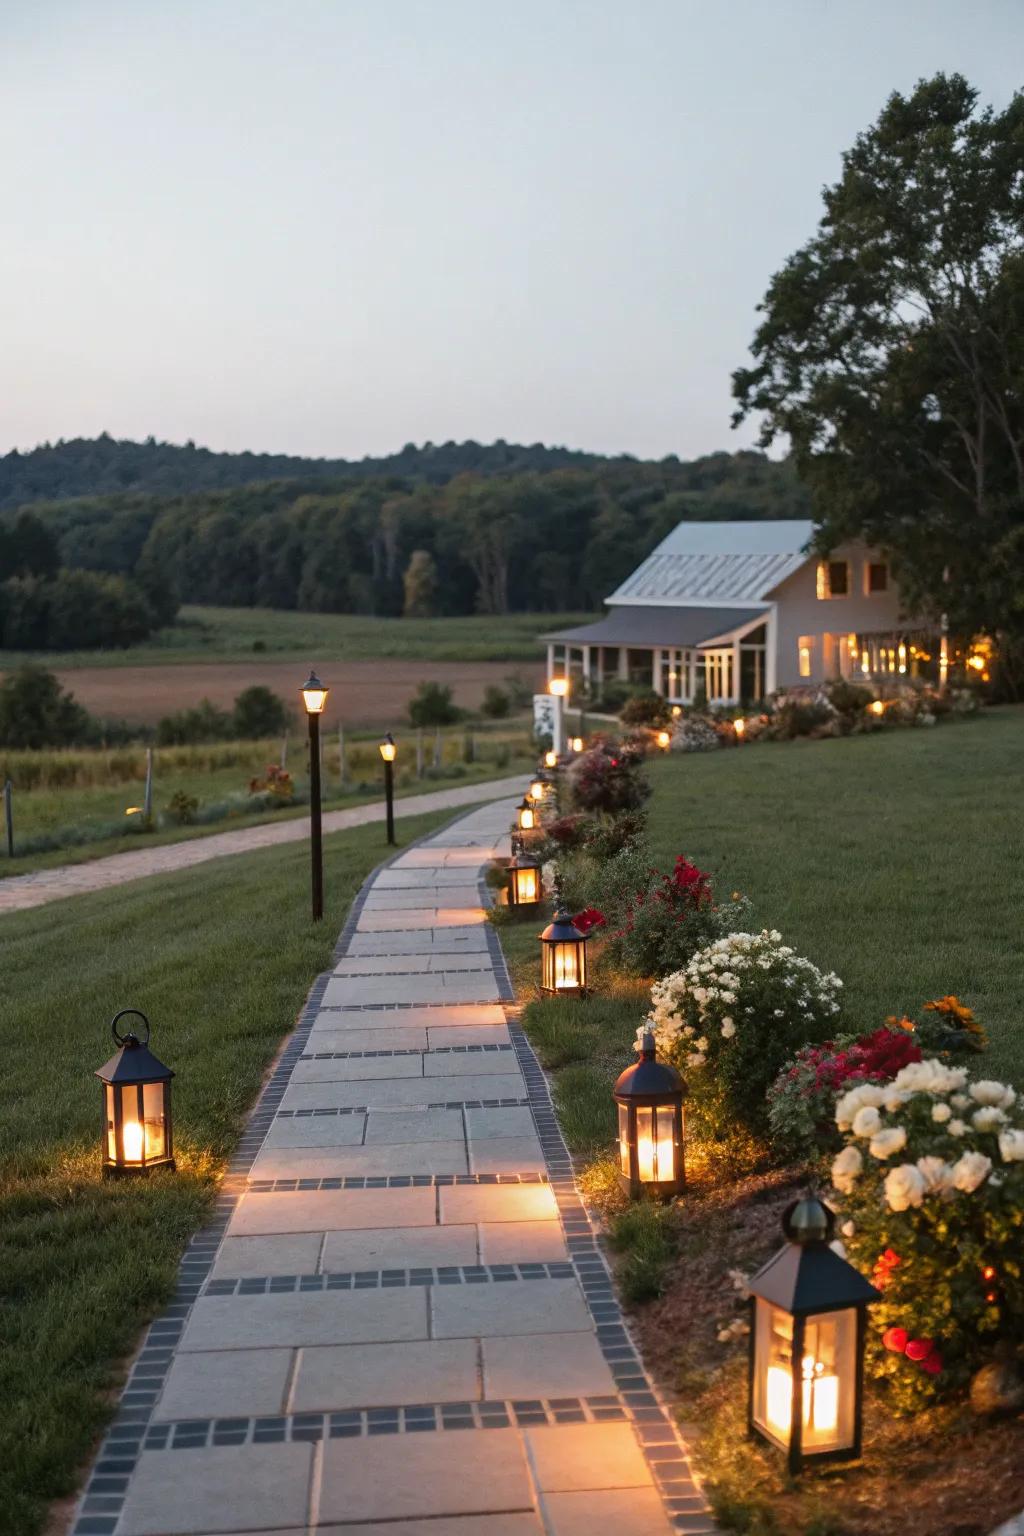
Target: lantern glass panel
x=154 y=1120
x=526 y=818
x=536 y=790
x=624 y=1140
x=656 y=1143
x=525 y=883
x=827 y=1373
x=108 y=1094
x=566 y=957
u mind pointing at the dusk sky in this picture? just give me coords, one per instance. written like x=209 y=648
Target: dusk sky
x=335 y=226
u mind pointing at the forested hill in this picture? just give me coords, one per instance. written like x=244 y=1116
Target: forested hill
x=102 y=466
x=500 y=537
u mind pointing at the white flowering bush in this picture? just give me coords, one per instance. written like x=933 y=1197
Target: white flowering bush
x=731 y=1019
x=930 y=1186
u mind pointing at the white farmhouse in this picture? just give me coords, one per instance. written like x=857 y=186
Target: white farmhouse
x=740 y=609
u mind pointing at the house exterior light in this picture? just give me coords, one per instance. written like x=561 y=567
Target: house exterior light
x=558 y=687
x=314 y=695
x=576 y=743
x=563 y=957
x=525 y=888
x=137 y=1134
x=807 y=1326
x=649 y=1095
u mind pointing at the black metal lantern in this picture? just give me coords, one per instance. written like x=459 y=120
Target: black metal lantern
x=526 y=815
x=136 y=1105
x=807 y=1326
x=525 y=888
x=652 y=1130
x=563 y=957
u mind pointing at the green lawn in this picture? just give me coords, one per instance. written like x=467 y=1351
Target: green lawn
x=229 y=634
x=892 y=858
x=221 y=963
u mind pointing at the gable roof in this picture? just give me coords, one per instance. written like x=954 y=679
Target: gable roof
x=661 y=626
x=718 y=563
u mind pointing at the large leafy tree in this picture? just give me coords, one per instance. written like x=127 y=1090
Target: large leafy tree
x=891 y=354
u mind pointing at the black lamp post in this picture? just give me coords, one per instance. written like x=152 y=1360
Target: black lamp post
x=652 y=1132
x=137 y=1133
x=389 y=752
x=807 y=1326
x=314 y=698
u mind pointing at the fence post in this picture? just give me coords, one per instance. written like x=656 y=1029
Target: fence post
x=147 y=802
x=342 y=777
x=284 y=752
x=419 y=753
x=468 y=748
x=437 y=746
x=9 y=817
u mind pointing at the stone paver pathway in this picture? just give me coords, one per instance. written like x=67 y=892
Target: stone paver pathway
x=19 y=892
x=399 y=1323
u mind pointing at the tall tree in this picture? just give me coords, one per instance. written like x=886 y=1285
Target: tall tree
x=420 y=585
x=891 y=354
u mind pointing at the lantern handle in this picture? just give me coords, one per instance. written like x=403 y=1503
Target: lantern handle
x=130 y=1035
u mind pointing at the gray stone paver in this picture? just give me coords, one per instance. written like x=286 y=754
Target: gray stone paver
x=46 y=885
x=358 y=1301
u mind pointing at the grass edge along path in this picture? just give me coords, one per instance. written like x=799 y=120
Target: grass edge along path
x=222 y=966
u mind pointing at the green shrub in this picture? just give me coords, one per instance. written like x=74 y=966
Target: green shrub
x=733 y=1017
x=608 y=779
x=496 y=705
x=667 y=919
x=182 y=808
x=258 y=713
x=189 y=727
x=647 y=708
x=36 y=712
x=432 y=705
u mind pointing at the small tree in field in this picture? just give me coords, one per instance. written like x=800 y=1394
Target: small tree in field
x=36 y=712
x=420 y=584
x=259 y=713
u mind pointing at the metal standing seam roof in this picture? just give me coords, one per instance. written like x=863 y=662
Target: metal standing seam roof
x=661 y=626
x=724 y=562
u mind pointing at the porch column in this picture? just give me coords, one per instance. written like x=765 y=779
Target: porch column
x=771 y=659
x=586 y=664
x=623 y=664
x=551 y=658
x=735 y=672
x=655 y=670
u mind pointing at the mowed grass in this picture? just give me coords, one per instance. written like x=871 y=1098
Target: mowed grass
x=892 y=858
x=231 y=634
x=221 y=961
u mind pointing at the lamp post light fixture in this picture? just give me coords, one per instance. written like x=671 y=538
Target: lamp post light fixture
x=652 y=1128
x=314 y=699
x=525 y=888
x=563 y=957
x=389 y=752
x=136 y=1105
x=739 y=725
x=807 y=1327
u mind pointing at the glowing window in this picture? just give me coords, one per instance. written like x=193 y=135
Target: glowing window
x=805 y=652
x=833 y=578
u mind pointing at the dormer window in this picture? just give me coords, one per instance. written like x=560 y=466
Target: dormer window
x=833 y=578
x=876 y=577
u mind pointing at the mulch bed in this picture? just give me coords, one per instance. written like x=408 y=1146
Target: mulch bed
x=945 y=1473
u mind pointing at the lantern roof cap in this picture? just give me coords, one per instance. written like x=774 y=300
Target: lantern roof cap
x=807 y=1275
x=562 y=929
x=649 y=1077
x=134 y=1063
x=523 y=861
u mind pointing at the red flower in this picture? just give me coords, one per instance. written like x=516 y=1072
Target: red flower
x=932 y=1363
x=919 y=1349
x=588 y=919
x=895 y=1339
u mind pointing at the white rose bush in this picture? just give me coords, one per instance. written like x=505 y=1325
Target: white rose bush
x=729 y=1021
x=929 y=1185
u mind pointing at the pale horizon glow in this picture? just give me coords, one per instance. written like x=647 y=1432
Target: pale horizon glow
x=337 y=226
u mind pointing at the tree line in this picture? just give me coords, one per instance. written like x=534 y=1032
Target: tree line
x=554 y=541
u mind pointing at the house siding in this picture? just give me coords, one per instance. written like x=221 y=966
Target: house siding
x=800 y=612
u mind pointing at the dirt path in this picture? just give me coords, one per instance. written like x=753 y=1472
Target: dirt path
x=367 y=693
x=45 y=885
